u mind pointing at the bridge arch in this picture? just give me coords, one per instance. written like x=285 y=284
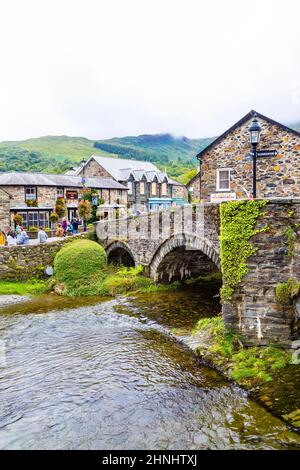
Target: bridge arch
x=183 y=256
x=120 y=253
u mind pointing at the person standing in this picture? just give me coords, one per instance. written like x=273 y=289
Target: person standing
x=42 y=236
x=64 y=224
x=75 y=224
x=59 y=231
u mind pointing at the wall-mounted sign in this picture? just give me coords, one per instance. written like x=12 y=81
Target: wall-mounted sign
x=264 y=153
x=221 y=197
x=71 y=194
x=94 y=200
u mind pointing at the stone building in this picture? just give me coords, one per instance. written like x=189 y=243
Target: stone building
x=226 y=167
x=148 y=187
x=33 y=195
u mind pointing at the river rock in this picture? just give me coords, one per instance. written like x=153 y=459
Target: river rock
x=12 y=299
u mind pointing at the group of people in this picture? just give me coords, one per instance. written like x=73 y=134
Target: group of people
x=19 y=236
x=67 y=228
x=11 y=237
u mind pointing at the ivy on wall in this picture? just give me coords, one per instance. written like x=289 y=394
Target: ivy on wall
x=238 y=221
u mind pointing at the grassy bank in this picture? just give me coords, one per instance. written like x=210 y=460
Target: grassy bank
x=224 y=349
x=23 y=288
x=113 y=281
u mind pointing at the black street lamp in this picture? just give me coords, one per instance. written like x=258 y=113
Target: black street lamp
x=254 y=132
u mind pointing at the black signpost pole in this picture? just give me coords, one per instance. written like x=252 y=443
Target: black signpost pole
x=254 y=172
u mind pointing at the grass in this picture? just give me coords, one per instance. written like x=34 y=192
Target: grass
x=247 y=366
x=116 y=281
x=23 y=288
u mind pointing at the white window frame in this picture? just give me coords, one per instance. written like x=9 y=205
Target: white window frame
x=31 y=195
x=142 y=188
x=130 y=187
x=154 y=188
x=218 y=179
x=164 y=188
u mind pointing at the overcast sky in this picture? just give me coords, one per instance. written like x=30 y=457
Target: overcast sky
x=100 y=69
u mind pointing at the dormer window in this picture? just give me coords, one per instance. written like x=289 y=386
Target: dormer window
x=154 y=188
x=164 y=189
x=129 y=186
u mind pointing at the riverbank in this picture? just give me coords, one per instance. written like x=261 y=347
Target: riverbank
x=115 y=281
x=12 y=299
x=256 y=369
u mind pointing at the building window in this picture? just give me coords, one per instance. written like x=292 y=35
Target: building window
x=153 y=188
x=60 y=192
x=142 y=187
x=24 y=221
x=30 y=193
x=164 y=189
x=33 y=219
x=129 y=186
x=44 y=219
x=120 y=193
x=223 y=179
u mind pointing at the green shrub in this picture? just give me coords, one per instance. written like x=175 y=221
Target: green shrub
x=286 y=291
x=32 y=229
x=79 y=265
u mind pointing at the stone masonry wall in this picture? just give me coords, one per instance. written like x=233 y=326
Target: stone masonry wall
x=94 y=169
x=4 y=209
x=254 y=310
x=276 y=176
x=25 y=262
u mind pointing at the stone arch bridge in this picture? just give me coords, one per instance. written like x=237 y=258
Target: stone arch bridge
x=171 y=245
x=185 y=242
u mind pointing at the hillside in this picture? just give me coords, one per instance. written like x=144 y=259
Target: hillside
x=55 y=154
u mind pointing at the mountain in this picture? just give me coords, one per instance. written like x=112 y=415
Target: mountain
x=56 y=154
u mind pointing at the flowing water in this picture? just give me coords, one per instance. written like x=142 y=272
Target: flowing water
x=90 y=374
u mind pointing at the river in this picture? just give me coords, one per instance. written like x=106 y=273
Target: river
x=91 y=374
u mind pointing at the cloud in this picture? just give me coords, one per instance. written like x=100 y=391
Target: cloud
x=100 y=69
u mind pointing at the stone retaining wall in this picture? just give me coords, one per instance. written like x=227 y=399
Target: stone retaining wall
x=25 y=262
x=254 y=310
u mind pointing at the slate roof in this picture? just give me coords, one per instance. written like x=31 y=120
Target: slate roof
x=121 y=169
x=235 y=126
x=240 y=123
x=43 y=179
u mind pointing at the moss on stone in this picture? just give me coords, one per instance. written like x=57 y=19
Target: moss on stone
x=290 y=241
x=224 y=348
x=286 y=291
x=238 y=220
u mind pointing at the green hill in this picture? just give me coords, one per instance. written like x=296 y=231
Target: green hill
x=55 y=154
